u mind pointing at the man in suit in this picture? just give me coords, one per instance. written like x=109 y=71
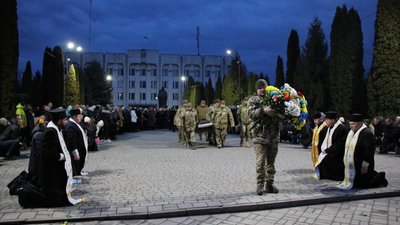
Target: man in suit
x=330 y=162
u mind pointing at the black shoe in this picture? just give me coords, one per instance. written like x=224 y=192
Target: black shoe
x=271 y=189
x=260 y=190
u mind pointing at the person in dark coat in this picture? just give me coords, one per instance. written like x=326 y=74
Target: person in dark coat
x=9 y=145
x=36 y=150
x=330 y=162
x=359 y=158
x=76 y=141
x=55 y=167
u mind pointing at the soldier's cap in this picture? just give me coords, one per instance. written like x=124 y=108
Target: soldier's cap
x=331 y=115
x=3 y=121
x=58 y=114
x=222 y=102
x=203 y=102
x=261 y=83
x=216 y=101
x=356 y=117
x=184 y=101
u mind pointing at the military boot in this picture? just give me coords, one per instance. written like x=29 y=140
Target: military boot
x=260 y=189
x=270 y=188
x=241 y=142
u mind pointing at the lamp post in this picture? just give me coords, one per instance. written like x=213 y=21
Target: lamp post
x=71 y=47
x=183 y=79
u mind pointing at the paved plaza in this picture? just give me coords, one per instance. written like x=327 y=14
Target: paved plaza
x=148 y=177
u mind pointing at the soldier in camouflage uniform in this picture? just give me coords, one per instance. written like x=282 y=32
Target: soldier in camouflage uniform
x=266 y=139
x=189 y=124
x=178 y=123
x=244 y=123
x=210 y=117
x=202 y=111
x=222 y=118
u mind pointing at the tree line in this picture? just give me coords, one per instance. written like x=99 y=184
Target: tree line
x=331 y=77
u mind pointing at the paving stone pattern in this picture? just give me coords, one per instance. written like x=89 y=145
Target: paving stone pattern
x=149 y=174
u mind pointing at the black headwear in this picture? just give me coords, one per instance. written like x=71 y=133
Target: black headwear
x=74 y=112
x=331 y=115
x=58 y=114
x=317 y=115
x=356 y=117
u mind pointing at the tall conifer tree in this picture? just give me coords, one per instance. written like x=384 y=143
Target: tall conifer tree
x=293 y=55
x=26 y=83
x=311 y=73
x=384 y=79
x=279 y=79
x=72 y=96
x=97 y=89
x=218 y=88
x=9 y=52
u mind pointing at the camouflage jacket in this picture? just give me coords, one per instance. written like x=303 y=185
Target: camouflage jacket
x=178 y=117
x=244 y=114
x=265 y=128
x=223 y=116
x=189 y=119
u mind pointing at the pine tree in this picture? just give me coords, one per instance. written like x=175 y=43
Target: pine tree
x=72 y=96
x=311 y=77
x=230 y=89
x=8 y=57
x=37 y=90
x=218 y=88
x=251 y=84
x=293 y=55
x=97 y=88
x=53 y=76
x=209 y=92
x=279 y=79
x=384 y=79
x=26 y=84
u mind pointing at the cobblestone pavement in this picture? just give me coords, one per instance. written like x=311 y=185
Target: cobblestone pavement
x=149 y=175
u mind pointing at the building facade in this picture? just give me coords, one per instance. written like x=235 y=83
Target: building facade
x=138 y=75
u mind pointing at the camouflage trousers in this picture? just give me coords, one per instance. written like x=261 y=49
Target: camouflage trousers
x=265 y=162
x=189 y=136
x=244 y=132
x=181 y=135
x=220 y=135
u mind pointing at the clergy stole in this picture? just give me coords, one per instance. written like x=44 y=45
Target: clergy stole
x=315 y=142
x=67 y=165
x=349 y=165
x=325 y=144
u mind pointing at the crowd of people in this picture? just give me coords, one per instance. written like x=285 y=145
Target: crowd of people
x=61 y=139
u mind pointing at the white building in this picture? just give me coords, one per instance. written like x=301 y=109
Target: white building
x=138 y=75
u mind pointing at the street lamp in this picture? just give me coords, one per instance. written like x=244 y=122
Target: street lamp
x=183 y=79
x=71 y=48
x=109 y=77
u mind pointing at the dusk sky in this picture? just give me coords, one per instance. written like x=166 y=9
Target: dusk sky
x=257 y=29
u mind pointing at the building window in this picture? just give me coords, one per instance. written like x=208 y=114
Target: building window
x=154 y=84
x=120 y=96
x=155 y=72
x=197 y=73
x=175 y=85
x=187 y=73
x=120 y=84
x=208 y=73
x=132 y=84
x=110 y=71
x=175 y=96
x=143 y=73
x=175 y=73
x=165 y=84
x=219 y=72
x=142 y=84
x=131 y=96
x=165 y=73
x=132 y=71
x=120 y=71
x=142 y=96
x=153 y=96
